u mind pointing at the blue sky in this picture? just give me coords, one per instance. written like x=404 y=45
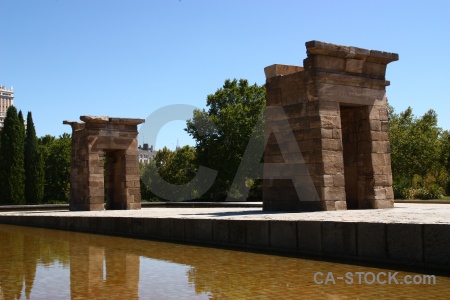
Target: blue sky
x=122 y=58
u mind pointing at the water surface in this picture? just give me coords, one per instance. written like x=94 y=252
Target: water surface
x=50 y=264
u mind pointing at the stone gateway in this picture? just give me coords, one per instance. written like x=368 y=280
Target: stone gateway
x=337 y=110
x=104 y=169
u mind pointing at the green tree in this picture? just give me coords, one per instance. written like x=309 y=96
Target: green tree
x=162 y=161
x=22 y=121
x=234 y=109
x=34 y=165
x=56 y=155
x=183 y=166
x=415 y=143
x=12 y=172
x=418 y=150
x=148 y=172
x=176 y=167
x=446 y=157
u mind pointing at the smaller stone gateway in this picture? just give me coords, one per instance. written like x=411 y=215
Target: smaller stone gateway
x=104 y=168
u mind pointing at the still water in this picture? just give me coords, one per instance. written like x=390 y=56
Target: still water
x=50 y=264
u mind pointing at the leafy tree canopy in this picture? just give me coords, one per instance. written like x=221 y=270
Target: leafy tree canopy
x=223 y=131
x=176 y=167
x=419 y=150
x=56 y=155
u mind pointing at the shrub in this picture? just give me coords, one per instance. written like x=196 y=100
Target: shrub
x=431 y=192
x=424 y=193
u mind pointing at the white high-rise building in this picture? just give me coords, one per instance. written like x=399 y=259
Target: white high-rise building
x=6 y=100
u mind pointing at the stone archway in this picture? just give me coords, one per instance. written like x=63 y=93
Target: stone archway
x=336 y=106
x=104 y=159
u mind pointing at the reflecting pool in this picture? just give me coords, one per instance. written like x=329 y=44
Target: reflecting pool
x=50 y=264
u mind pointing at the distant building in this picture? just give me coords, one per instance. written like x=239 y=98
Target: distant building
x=146 y=153
x=6 y=100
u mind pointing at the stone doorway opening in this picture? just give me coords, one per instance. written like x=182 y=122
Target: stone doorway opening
x=113 y=172
x=356 y=146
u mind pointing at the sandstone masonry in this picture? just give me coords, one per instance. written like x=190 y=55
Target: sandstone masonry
x=104 y=168
x=336 y=107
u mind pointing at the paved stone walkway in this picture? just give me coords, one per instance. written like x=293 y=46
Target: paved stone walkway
x=402 y=213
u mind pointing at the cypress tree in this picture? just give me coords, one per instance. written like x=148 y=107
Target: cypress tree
x=22 y=121
x=12 y=159
x=34 y=165
x=1 y=169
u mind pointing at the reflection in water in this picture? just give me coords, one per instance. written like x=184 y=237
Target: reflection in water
x=43 y=264
x=88 y=265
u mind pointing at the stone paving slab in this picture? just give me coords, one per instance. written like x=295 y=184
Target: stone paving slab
x=405 y=213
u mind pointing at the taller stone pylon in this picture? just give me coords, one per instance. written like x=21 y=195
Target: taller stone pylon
x=337 y=110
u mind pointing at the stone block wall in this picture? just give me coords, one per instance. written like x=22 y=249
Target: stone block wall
x=336 y=108
x=104 y=159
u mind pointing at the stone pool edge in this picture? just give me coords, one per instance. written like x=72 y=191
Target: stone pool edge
x=418 y=245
